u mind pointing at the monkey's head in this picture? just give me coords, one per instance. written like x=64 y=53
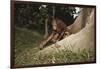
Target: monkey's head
x=58 y=25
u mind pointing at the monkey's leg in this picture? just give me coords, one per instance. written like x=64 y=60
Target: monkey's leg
x=60 y=36
x=55 y=37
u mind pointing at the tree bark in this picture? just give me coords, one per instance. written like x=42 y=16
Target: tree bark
x=46 y=28
x=80 y=21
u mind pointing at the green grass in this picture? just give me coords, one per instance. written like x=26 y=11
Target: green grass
x=26 y=40
x=26 y=47
x=64 y=56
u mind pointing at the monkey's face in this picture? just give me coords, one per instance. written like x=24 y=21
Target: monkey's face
x=54 y=26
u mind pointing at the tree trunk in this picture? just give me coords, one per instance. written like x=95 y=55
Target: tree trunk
x=80 y=21
x=46 y=28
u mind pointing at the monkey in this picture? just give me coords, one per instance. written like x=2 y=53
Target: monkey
x=59 y=31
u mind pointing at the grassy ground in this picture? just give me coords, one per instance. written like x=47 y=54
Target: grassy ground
x=26 y=45
x=25 y=40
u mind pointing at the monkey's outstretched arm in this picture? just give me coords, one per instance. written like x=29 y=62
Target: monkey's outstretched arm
x=46 y=41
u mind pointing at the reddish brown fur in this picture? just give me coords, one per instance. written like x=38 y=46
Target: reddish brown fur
x=57 y=34
x=60 y=28
x=60 y=25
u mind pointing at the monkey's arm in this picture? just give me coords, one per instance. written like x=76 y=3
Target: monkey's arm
x=46 y=41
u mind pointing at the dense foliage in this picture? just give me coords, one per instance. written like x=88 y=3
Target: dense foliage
x=33 y=16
